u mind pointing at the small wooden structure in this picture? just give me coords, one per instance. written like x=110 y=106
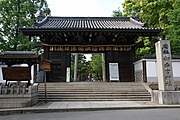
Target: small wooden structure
x=45 y=65
x=10 y=58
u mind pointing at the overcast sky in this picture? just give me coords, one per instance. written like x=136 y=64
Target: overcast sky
x=84 y=8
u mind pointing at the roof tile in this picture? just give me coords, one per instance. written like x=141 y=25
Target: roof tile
x=89 y=23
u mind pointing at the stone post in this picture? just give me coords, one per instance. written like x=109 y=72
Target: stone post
x=164 y=66
x=103 y=67
x=166 y=93
x=75 y=66
x=0 y=89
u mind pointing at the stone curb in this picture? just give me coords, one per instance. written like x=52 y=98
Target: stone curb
x=47 y=110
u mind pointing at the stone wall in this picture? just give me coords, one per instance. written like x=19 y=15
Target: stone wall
x=138 y=75
x=14 y=96
x=151 y=70
x=166 y=97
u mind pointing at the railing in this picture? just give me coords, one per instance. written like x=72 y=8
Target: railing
x=18 y=89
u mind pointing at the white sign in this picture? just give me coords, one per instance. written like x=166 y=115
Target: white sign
x=68 y=74
x=114 y=71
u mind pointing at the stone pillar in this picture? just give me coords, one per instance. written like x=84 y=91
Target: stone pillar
x=166 y=93
x=75 y=66
x=164 y=66
x=103 y=67
x=144 y=72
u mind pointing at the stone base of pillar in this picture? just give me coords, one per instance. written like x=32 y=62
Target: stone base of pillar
x=166 y=97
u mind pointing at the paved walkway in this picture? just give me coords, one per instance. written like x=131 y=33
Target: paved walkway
x=93 y=104
x=85 y=106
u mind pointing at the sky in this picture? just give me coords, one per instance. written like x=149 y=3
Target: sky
x=84 y=8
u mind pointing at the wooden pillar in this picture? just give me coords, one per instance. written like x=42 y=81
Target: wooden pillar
x=144 y=71
x=60 y=62
x=103 y=67
x=35 y=73
x=46 y=52
x=75 y=66
x=125 y=64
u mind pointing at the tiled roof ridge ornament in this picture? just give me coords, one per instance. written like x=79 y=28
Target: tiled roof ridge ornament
x=40 y=16
x=133 y=20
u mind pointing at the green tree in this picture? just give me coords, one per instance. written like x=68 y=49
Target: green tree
x=173 y=29
x=82 y=73
x=129 y=7
x=146 y=46
x=152 y=12
x=117 y=13
x=97 y=66
x=84 y=67
x=15 y=14
x=157 y=14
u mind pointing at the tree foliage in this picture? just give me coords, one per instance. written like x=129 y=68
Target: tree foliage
x=117 y=13
x=152 y=12
x=157 y=14
x=97 y=66
x=84 y=67
x=15 y=14
x=173 y=29
x=147 y=46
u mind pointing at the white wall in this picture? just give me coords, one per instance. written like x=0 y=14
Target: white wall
x=138 y=65
x=1 y=76
x=176 y=70
x=151 y=69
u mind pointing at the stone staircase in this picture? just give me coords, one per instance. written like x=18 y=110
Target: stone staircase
x=94 y=91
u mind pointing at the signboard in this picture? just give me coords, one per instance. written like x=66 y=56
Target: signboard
x=113 y=71
x=16 y=73
x=68 y=74
x=45 y=65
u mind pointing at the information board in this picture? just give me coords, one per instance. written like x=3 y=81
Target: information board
x=16 y=73
x=114 y=71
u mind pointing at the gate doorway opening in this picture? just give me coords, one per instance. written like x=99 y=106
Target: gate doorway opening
x=87 y=67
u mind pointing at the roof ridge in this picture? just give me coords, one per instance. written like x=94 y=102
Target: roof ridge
x=99 y=18
x=18 y=52
x=136 y=22
x=42 y=21
x=89 y=23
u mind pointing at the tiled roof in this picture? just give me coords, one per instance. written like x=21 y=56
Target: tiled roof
x=154 y=57
x=18 y=54
x=88 y=23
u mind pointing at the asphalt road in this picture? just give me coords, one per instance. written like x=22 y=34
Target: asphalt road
x=136 y=114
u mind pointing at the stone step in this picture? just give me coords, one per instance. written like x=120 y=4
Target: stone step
x=91 y=83
x=57 y=100
x=94 y=91
x=96 y=88
x=87 y=87
x=97 y=99
x=90 y=90
x=91 y=86
x=94 y=95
